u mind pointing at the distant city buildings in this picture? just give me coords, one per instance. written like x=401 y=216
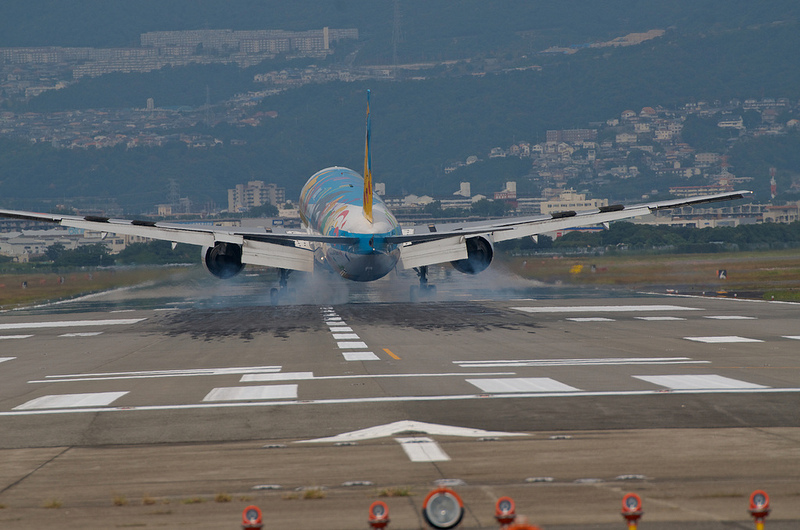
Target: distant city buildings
x=253 y=194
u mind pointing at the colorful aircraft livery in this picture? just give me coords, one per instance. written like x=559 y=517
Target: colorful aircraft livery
x=349 y=230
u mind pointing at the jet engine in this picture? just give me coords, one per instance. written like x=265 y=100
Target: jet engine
x=223 y=260
x=480 y=252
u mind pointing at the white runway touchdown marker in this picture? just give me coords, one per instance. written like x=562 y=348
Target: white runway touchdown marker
x=521 y=384
x=698 y=382
x=722 y=340
x=65 y=401
x=252 y=393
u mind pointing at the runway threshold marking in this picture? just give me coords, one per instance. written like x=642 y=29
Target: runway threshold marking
x=390 y=354
x=605 y=308
x=578 y=362
x=71 y=323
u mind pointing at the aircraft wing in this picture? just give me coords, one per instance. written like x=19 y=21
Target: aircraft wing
x=278 y=247
x=447 y=235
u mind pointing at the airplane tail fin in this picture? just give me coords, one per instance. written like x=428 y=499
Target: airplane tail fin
x=367 y=171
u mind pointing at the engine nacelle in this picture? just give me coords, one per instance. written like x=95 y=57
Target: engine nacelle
x=223 y=260
x=480 y=252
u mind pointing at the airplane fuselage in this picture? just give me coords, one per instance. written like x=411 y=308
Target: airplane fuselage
x=332 y=204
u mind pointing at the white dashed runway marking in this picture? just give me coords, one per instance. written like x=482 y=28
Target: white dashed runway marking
x=252 y=393
x=722 y=340
x=4 y=359
x=660 y=319
x=591 y=319
x=698 y=382
x=521 y=384
x=793 y=337
x=730 y=317
x=8 y=337
x=65 y=401
x=87 y=334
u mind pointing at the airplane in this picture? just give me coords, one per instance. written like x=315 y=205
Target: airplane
x=347 y=228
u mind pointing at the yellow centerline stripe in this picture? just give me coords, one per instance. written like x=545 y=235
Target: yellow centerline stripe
x=393 y=356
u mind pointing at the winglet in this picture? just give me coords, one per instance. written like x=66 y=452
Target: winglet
x=367 y=171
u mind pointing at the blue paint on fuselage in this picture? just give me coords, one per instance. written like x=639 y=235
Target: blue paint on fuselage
x=331 y=203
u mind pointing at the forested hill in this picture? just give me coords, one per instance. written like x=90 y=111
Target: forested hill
x=428 y=29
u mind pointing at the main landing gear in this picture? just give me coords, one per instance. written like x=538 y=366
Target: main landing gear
x=423 y=290
x=276 y=295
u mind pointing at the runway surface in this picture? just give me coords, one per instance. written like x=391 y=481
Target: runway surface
x=176 y=392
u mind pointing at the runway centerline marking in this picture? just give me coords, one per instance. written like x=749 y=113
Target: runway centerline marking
x=71 y=401
x=729 y=317
x=4 y=359
x=722 y=339
x=605 y=308
x=578 y=362
x=698 y=382
x=660 y=319
x=8 y=337
x=591 y=319
x=84 y=334
x=71 y=323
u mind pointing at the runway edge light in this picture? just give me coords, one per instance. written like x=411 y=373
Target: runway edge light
x=632 y=509
x=378 y=514
x=251 y=517
x=442 y=509
x=759 y=507
x=504 y=511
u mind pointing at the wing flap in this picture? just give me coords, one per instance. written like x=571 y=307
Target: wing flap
x=431 y=252
x=278 y=256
